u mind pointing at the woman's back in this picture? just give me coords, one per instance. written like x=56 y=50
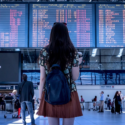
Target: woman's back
x=44 y=55
x=60 y=51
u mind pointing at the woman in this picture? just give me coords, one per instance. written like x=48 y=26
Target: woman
x=82 y=100
x=117 y=102
x=95 y=99
x=94 y=103
x=17 y=103
x=14 y=94
x=61 y=50
x=2 y=101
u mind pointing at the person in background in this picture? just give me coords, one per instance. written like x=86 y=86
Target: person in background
x=82 y=100
x=122 y=98
x=17 y=103
x=14 y=94
x=109 y=104
x=101 y=109
x=2 y=102
x=117 y=102
x=18 y=106
x=106 y=101
x=26 y=92
x=113 y=106
x=95 y=99
x=34 y=101
x=94 y=103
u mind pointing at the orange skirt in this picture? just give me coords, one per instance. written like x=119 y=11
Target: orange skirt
x=70 y=110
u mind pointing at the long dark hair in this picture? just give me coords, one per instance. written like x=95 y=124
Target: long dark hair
x=61 y=49
x=116 y=94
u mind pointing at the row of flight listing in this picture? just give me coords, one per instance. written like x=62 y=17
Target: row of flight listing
x=89 y=25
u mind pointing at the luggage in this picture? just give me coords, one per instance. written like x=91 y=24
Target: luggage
x=113 y=110
x=17 y=104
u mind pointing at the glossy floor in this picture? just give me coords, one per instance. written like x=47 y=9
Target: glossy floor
x=88 y=118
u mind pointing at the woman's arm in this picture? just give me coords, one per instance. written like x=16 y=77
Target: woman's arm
x=42 y=80
x=75 y=71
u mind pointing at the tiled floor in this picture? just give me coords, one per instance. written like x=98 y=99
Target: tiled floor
x=88 y=118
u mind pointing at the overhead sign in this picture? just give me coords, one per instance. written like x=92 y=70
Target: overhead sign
x=107 y=87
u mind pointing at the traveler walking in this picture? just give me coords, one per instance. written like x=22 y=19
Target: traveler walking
x=109 y=104
x=59 y=67
x=2 y=102
x=106 y=101
x=26 y=93
x=121 y=95
x=14 y=94
x=113 y=106
x=95 y=99
x=94 y=103
x=117 y=102
x=101 y=108
x=17 y=102
x=82 y=101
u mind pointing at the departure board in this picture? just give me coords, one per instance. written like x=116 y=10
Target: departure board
x=80 y=19
x=13 y=25
x=110 y=25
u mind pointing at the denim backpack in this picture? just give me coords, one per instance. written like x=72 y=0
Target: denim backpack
x=56 y=86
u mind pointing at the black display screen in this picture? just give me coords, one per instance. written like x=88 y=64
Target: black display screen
x=10 y=67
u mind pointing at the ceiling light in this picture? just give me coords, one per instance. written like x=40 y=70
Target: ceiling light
x=94 y=52
x=120 y=52
x=17 y=49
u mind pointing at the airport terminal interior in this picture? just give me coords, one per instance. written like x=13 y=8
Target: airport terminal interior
x=97 y=31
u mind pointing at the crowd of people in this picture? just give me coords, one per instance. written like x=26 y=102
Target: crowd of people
x=115 y=105
x=10 y=96
x=4 y=97
x=22 y=98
